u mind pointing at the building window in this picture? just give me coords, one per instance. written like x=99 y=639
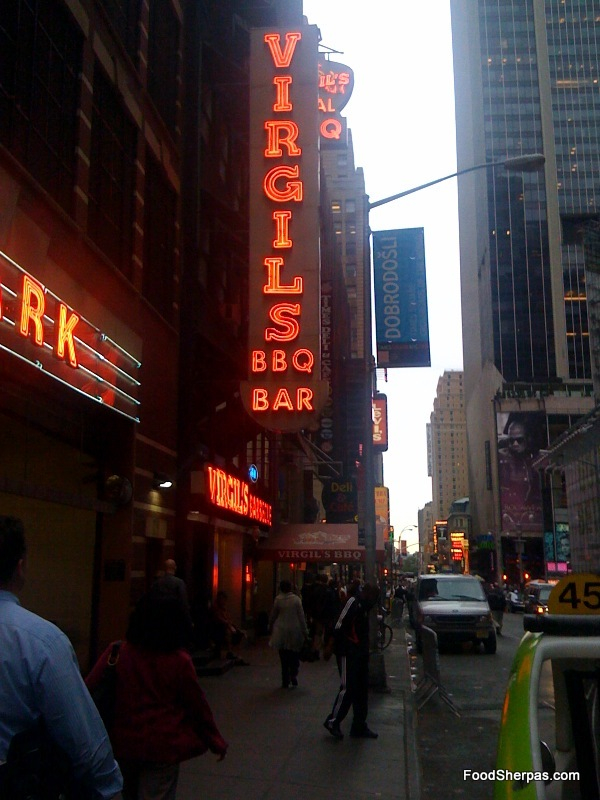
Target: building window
x=112 y=174
x=41 y=50
x=163 y=60
x=125 y=17
x=160 y=204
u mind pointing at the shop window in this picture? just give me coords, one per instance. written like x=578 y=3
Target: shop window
x=124 y=16
x=41 y=50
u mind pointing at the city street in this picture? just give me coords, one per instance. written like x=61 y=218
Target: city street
x=448 y=744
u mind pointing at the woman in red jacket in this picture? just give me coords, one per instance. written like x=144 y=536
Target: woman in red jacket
x=162 y=716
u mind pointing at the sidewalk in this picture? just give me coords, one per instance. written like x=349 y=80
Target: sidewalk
x=278 y=747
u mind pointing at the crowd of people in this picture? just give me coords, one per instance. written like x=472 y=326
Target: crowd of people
x=161 y=716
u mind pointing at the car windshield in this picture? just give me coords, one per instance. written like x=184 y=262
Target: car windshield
x=465 y=589
x=545 y=593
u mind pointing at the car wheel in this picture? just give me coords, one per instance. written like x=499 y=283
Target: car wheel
x=490 y=644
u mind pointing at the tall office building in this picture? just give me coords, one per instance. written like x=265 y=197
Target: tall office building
x=449 y=475
x=526 y=81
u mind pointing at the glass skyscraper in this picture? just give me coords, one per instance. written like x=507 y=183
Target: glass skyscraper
x=526 y=81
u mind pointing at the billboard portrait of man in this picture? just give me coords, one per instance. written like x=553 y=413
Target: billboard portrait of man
x=520 y=438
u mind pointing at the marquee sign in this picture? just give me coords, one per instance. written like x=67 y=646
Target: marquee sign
x=42 y=331
x=284 y=390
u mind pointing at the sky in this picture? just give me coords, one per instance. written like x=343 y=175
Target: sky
x=401 y=115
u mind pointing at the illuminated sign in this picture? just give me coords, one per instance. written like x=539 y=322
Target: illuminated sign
x=284 y=390
x=233 y=494
x=382 y=509
x=42 y=331
x=336 y=82
x=400 y=287
x=380 y=430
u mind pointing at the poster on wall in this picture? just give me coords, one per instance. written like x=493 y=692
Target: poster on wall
x=521 y=435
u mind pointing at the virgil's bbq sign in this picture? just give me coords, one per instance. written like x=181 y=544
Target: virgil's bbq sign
x=284 y=390
x=41 y=331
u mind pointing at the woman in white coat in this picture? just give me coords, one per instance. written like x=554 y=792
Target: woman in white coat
x=288 y=632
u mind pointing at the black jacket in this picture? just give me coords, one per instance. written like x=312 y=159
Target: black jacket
x=352 y=628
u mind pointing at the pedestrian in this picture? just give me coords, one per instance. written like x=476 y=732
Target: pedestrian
x=161 y=715
x=288 y=632
x=352 y=650
x=224 y=634
x=319 y=600
x=332 y=609
x=170 y=584
x=497 y=603
x=41 y=680
x=398 y=603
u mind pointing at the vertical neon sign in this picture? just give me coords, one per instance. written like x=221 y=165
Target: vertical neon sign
x=284 y=390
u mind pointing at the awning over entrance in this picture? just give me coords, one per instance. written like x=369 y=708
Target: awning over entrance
x=320 y=542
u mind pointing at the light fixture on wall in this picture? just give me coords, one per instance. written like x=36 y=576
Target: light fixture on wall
x=161 y=481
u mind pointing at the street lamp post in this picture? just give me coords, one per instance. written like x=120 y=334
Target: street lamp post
x=526 y=163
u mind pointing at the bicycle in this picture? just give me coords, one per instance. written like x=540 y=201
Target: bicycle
x=385 y=634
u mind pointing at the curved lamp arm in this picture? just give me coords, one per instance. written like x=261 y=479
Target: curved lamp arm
x=527 y=163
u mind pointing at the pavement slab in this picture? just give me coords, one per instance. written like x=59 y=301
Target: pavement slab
x=278 y=746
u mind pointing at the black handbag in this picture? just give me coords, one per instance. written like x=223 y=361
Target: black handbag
x=307 y=653
x=36 y=768
x=104 y=694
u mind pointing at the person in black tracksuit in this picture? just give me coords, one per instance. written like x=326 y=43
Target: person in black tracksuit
x=352 y=651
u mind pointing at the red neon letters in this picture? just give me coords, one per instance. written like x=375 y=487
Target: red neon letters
x=233 y=494
x=282 y=184
x=33 y=320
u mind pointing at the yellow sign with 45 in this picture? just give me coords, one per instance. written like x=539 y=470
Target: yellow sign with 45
x=576 y=594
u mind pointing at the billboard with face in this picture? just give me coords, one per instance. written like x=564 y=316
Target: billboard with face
x=521 y=435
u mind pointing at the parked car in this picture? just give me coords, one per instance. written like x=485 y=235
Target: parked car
x=456 y=608
x=515 y=601
x=536 y=597
x=548 y=750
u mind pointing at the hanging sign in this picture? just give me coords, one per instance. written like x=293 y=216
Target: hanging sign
x=284 y=391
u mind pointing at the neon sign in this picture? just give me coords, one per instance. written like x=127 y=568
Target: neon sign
x=41 y=330
x=336 y=82
x=284 y=390
x=228 y=492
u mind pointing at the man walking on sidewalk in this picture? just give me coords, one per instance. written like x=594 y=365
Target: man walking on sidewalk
x=352 y=650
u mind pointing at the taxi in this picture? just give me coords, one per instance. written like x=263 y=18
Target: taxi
x=549 y=741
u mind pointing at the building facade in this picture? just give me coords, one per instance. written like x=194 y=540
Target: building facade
x=449 y=479
x=123 y=271
x=526 y=81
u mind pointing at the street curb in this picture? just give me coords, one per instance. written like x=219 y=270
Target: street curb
x=411 y=735
x=412 y=759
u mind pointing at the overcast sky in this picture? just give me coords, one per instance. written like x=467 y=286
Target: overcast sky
x=402 y=119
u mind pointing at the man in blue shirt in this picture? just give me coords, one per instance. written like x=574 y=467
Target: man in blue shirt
x=40 y=678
